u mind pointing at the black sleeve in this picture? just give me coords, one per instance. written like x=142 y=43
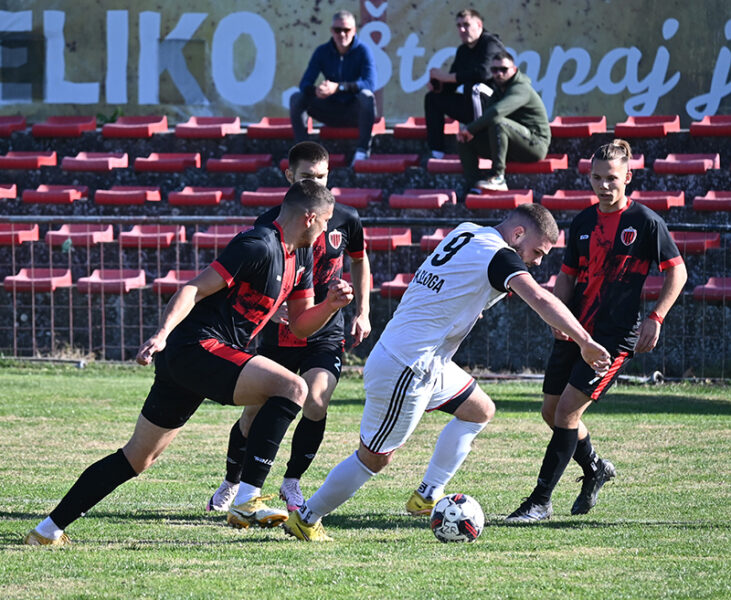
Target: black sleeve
x=268 y=217
x=503 y=266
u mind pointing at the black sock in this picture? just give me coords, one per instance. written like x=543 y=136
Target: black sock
x=305 y=443
x=558 y=455
x=94 y=484
x=586 y=457
x=265 y=435
x=235 y=454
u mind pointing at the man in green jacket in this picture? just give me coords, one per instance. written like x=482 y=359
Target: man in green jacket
x=513 y=126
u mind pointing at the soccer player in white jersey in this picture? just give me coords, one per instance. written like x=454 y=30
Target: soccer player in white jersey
x=410 y=371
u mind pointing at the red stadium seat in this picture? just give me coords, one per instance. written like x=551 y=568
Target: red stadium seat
x=336 y=160
x=636 y=162
x=550 y=284
x=208 y=127
x=136 y=127
x=569 y=200
x=386 y=163
x=652 y=287
x=451 y=164
x=55 y=194
x=111 y=281
x=64 y=126
x=217 y=236
x=27 y=160
x=695 y=242
x=414 y=128
x=127 y=195
x=357 y=197
x=551 y=163
x=576 y=127
x=95 y=161
x=200 y=196
x=717 y=289
x=397 y=286
x=654 y=126
x=424 y=199
x=152 y=236
x=38 y=280
x=173 y=281
x=8 y=191
x=451 y=194
x=80 y=234
x=659 y=201
x=168 y=162
x=274 y=128
x=350 y=133
x=687 y=164
x=498 y=200
x=8 y=124
x=712 y=125
x=430 y=241
x=713 y=201
x=239 y=163
x=386 y=238
x=264 y=196
x=14 y=234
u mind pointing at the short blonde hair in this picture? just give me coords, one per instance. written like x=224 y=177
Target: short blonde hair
x=615 y=150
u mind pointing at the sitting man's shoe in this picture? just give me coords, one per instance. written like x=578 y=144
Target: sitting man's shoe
x=530 y=512
x=255 y=513
x=296 y=527
x=291 y=493
x=438 y=154
x=223 y=497
x=359 y=155
x=418 y=505
x=586 y=500
x=33 y=538
x=496 y=183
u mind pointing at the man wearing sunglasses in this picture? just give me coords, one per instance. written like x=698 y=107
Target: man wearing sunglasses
x=513 y=126
x=345 y=97
x=471 y=68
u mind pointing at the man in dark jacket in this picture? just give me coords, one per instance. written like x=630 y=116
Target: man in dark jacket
x=513 y=126
x=471 y=67
x=346 y=96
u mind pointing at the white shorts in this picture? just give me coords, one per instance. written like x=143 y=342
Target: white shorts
x=396 y=398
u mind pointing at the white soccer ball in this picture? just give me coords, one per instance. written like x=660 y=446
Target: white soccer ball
x=457 y=518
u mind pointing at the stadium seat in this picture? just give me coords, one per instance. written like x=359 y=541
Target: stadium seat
x=422 y=198
x=217 y=236
x=27 y=160
x=208 y=127
x=239 y=163
x=430 y=241
x=55 y=194
x=712 y=125
x=653 y=126
x=274 y=128
x=200 y=196
x=168 y=162
x=397 y=286
x=577 y=127
x=386 y=163
x=8 y=124
x=64 y=126
x=14 y=234
x=8 y=191
x=95 y=161
x=652 y=287
x=659 y=201
x=383 y=239
x=550 y=284
x=695 y=242
x=152 y=236
x=569 y=200
x=451 y=164
x=713 y=201
x=551 y=163
x=264 y=196
x=717 y=289
x=350 y=133
x=357 y=197
x=687 y=164
x=414 y=128
x=136 y=127
x=336 y=160
x=173 y=281
x=127 y=195
x=636 y=162
x=80 y=234
x=111 y=281
x=498 y=200
x=38 y=280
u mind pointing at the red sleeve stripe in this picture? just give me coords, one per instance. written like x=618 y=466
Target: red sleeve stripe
x=221 y=270
x=238 y=357
x=569 y=270
x=609 y=375
x=308 y=293
x=666 y=264
x=359 y=254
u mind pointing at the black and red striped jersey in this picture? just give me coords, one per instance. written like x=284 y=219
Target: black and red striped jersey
x=610 y=255
x=344 y=234
x=260 y=274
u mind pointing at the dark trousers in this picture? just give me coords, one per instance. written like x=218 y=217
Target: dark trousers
x=357 y=111
x=437 y=106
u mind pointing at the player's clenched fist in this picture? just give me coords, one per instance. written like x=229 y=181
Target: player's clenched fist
x=339 y=293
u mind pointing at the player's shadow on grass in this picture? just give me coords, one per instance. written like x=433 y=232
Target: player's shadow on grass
x=583 y=524
x=374 y=520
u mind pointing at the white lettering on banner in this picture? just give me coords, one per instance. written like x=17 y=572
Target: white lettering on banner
x=15 y=93
x=707 y=104
x=384 y=69
x=117 y=56
x=375 y=11
x=411 y=50
x=256 y=86
x=58 y=89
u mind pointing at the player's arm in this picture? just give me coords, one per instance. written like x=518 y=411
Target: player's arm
x=649 y=332
x=305 y=317
x=360 y=272
x=206 y=283
x=564 y=291
x=557 y=315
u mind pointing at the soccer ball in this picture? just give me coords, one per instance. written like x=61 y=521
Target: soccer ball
x=457 y=518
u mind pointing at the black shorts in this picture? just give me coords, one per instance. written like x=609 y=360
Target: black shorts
x=320 y=354
x=186 y=374
x=565 y=366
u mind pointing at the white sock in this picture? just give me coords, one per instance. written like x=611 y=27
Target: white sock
x=437 y=154
x=453 y=446
x=48 y=529
x=246 y=492
x=340 y=485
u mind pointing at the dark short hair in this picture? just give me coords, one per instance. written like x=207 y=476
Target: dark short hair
x=539 y=218
x=503 y=55
x=306 y=152
x=615 y=150
x=307 y=196
x=466 y=13
x=343 y=15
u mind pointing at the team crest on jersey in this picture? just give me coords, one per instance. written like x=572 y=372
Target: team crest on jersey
x=628 y=236
x=335 y=238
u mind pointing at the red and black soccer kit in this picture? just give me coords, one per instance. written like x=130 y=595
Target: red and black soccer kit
x=205 y=353
x=610 y=255
x=324 y=349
